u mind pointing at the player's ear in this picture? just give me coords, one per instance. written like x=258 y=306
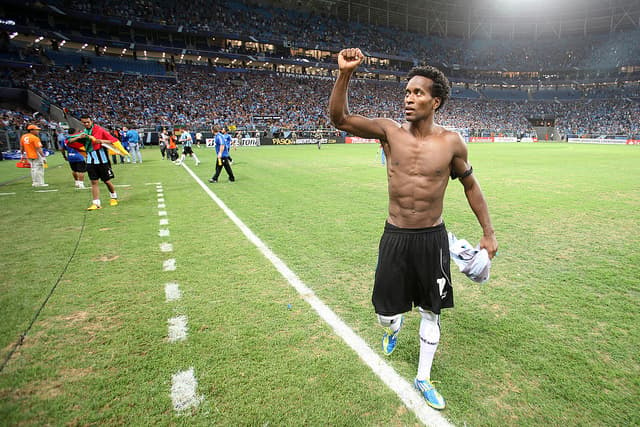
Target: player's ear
x=436 y=103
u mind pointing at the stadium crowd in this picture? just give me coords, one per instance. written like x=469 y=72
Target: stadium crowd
x=318 y=29
x=200 y=98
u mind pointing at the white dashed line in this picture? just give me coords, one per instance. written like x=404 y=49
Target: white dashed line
x=169 y=265
x=177 y=328
x=184 y=391
x=172 y=291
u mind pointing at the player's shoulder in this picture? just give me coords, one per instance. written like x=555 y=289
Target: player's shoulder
x=451 y=136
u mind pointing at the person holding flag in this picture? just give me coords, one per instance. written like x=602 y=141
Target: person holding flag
x=94 y=142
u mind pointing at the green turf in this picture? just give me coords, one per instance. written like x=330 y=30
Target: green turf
x=552 y=338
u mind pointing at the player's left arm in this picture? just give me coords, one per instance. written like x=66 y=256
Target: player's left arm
x=462 y=170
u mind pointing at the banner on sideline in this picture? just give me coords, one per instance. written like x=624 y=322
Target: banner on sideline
x=358 y=140
x=598 y=141
x=301 y=141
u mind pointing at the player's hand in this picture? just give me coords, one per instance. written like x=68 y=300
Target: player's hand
x=349 y=59
x=490 y=244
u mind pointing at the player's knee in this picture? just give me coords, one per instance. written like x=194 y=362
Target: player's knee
x=429 y=326
x=388 y=321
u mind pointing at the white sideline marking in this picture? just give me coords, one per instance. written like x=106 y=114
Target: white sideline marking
x=166 y=247
x=183 y=390
x=122 y=185
x=159 y=190
x=169 y=265
x=164 y=221
x=177 y=328
x=160 y=200
x=172 y=291
x=162 y=213
x=163 y=233
x=7 y=194
x=45 y=191
x=161 y=206
x=403 y=389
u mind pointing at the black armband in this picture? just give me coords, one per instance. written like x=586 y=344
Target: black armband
x=464 y=175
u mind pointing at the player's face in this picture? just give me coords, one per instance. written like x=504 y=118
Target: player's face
x=418 y=102
x=87 y=123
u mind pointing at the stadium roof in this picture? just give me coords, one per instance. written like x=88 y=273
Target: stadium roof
x=486 y=18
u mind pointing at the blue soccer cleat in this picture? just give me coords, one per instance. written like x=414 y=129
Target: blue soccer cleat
x=430 y=394
x=390 y=338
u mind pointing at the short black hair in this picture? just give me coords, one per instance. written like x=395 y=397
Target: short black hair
x=441 y=87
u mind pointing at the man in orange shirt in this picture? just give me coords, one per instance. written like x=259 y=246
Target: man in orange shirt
x=31 y=148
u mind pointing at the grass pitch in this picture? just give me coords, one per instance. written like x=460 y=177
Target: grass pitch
x=551 y=339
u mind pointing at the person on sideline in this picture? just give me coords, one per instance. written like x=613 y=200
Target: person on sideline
x=31 y=148
x=98 y=166
x=163 y=142
x=413 y=261
x=222 y=151
x=76 y=160
x=134 y=144
x=187 y=142
x=172 y=147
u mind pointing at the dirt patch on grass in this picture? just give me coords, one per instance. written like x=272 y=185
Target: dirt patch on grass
x=52 y=387
x=107 y=258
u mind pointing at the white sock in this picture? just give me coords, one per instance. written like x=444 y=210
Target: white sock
x=113 y=195
x=429 y=339
x=96 y=202
x=196 y=157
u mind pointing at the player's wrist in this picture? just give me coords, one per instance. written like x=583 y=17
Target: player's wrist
x=488 y=232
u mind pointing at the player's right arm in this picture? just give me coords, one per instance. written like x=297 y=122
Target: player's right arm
x=348 y=61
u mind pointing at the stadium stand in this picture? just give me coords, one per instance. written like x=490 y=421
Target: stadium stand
x=231 y=52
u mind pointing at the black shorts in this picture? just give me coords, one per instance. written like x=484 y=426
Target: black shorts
x=101 y=171
x=187 y=150
x=413 y=270
x=78 y=166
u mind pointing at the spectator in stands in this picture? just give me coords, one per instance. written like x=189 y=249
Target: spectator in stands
x=413 y=268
